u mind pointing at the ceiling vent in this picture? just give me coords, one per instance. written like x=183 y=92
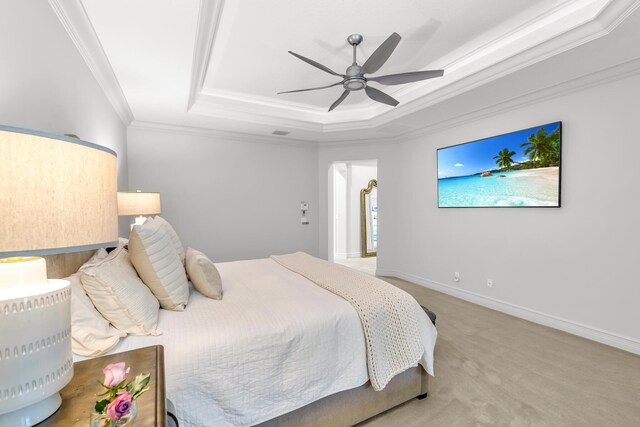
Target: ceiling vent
x=280 y=132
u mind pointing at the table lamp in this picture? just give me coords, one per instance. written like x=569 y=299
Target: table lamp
x=139 y=204
x=57 y=195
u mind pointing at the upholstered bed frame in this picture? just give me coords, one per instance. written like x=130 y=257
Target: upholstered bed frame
x=353 y=406
x=346 y=408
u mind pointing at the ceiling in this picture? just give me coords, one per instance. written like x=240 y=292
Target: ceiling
x=209 y=64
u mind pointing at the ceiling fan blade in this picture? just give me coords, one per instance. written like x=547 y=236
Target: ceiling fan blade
x=316 y=64
x=312 y=88
x=339 y=100
x=381 y=54
x=415 y=76
x=378 y=95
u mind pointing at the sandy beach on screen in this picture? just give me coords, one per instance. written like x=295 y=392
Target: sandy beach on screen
x=548 y=173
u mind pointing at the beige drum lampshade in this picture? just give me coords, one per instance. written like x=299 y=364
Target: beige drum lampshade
x=58 y=194
x=138 y=203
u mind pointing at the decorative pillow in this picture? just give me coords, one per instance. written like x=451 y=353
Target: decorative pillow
x=156 y=261
x=123 y=242
x=120 y=296
x=175 y=240
x=94 y=260
x=204 y=274
x=91 y=334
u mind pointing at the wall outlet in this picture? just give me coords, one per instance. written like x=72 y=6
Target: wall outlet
x=456 y=276
x=490 y=283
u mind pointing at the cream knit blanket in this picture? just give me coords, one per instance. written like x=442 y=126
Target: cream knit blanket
x=388 y=314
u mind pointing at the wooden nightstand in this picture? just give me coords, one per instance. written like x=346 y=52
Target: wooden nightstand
x=79 y=396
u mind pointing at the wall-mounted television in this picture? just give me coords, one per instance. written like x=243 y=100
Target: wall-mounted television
x=517 y=169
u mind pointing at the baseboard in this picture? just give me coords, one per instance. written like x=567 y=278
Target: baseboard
x=595 y=334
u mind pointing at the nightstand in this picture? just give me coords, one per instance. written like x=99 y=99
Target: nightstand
x=79 y=396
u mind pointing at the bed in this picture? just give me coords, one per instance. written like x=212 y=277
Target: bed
x=276 y=350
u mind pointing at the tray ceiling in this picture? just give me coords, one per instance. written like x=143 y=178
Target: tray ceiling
x=219 y=64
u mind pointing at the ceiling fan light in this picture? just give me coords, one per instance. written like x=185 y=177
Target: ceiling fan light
x=355 y=84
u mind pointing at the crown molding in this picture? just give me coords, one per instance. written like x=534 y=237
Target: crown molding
x=244 y=108
x=220 y=134
x=208 y=23
x=75 y=21
x=534 y=41
x=586 y=29
x=608 y=75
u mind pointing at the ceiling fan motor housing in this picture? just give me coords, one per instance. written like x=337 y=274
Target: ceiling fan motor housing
x=354 y=79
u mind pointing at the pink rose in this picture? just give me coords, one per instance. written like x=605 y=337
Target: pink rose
x=114 y=373
x=120 y=406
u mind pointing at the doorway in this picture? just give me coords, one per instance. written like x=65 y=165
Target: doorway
x=347 y=179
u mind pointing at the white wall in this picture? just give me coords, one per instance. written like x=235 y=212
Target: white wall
x=340 y=211
x=230 y=198
x=572 y=268
x=45 y=84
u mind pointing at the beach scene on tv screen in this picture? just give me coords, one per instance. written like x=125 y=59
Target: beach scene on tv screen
x=516 y=169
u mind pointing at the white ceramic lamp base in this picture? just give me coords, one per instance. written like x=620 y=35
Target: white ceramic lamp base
x=35 y=353
x=33 y=414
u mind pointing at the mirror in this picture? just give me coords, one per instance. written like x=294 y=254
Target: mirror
x=369 y=218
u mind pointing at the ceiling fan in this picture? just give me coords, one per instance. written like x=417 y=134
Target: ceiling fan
x=354 y=78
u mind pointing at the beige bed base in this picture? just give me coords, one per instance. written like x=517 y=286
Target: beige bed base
x=346 y=408
x=353 y=406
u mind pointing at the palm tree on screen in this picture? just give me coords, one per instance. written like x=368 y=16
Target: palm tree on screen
x=542 y=147
x=503 y=159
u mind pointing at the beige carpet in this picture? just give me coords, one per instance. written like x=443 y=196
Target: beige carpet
x=366 y=265
x=496 y=370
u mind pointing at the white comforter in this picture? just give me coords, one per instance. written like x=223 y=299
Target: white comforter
x=274 y=343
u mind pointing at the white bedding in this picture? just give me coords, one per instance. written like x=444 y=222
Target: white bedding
x=274 y=343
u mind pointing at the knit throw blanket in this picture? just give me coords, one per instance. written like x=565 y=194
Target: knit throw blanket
x=389 y=315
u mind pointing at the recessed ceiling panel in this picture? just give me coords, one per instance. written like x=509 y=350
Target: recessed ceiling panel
x=250 y=52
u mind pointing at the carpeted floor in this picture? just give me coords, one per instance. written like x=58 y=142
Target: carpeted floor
x=366 y=265
x=496 y=370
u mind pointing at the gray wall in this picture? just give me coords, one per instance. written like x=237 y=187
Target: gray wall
x=45 y=84
x=230 y=198
x=572 y=268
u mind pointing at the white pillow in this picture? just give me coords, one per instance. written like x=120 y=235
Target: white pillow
x=97 y=257
x=120 y=296
x=156 y=261
x=122 y=241
x=91 y=334
x=175 y=240
x=204 y=274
